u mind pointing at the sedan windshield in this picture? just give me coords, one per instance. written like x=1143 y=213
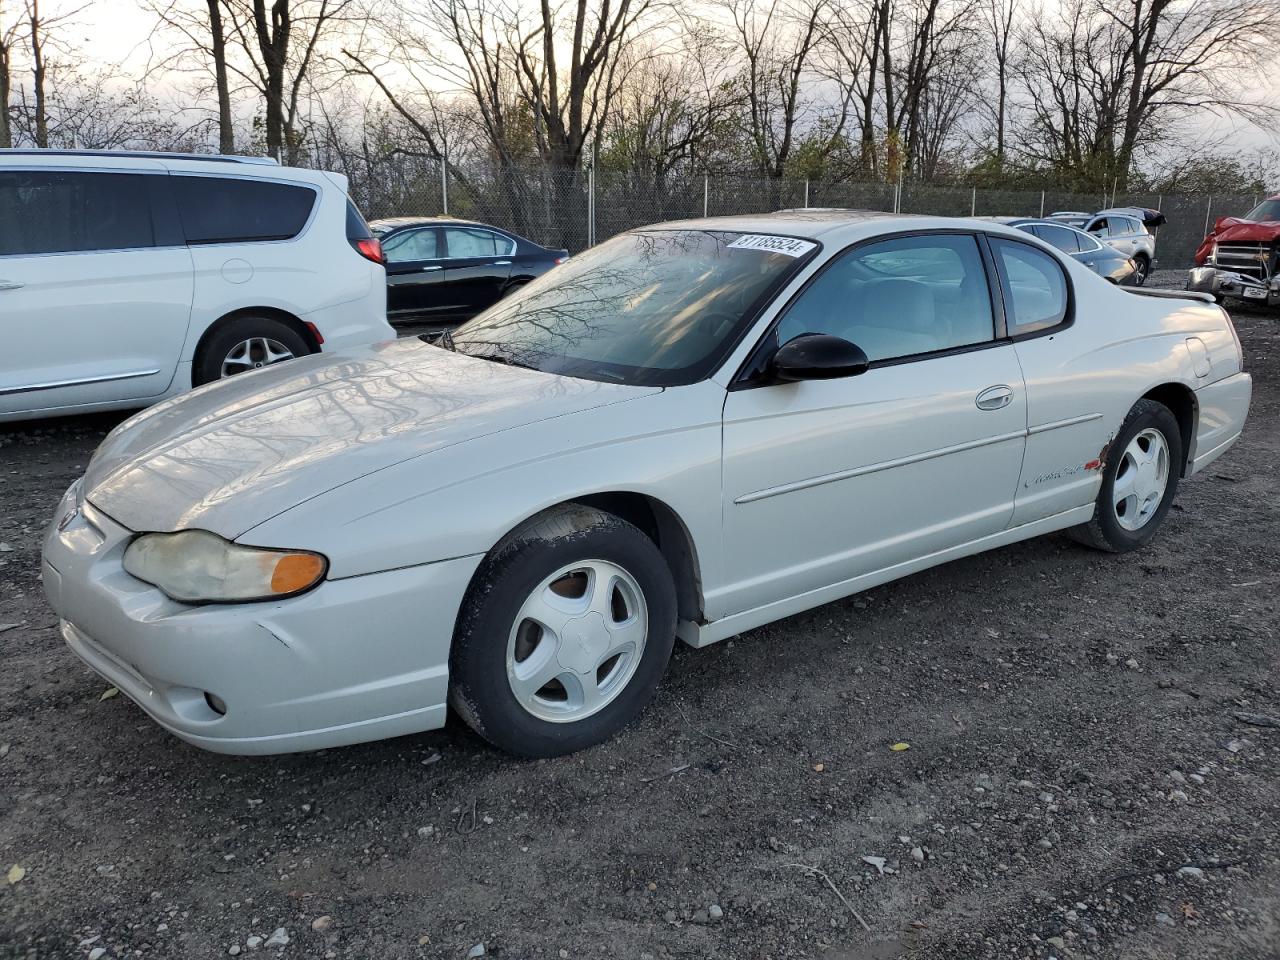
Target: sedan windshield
x=1265 y=212
x=654 y=307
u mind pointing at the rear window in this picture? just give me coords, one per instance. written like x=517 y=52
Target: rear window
x=228 y=210
x=53 y=212
x=357 y=229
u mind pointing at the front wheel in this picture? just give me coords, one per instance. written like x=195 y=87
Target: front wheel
x=1139 y=480
x=564 y=633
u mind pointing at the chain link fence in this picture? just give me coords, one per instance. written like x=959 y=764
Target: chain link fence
x=575 y=208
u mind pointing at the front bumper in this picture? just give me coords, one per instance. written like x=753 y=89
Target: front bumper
x=356 y=659
x=1227 y=283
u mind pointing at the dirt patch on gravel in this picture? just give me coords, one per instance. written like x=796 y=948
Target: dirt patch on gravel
x=1077 y=782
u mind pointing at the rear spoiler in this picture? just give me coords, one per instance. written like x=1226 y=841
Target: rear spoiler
x=1170 y=294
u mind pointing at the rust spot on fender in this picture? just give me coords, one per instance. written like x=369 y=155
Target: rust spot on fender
x=1101 y=460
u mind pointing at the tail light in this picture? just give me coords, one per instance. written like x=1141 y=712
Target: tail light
x=370 y=248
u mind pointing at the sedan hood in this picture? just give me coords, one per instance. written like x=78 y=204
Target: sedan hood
x=232 y=455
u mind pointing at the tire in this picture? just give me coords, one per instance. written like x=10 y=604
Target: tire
x=216 y=356
x=1143 y=271
x=1119 y=528
x=620 y=571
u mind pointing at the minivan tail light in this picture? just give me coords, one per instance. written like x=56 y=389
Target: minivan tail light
x=370 y=248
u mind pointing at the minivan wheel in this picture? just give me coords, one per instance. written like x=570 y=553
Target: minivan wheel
x=1139 y=480
x=564 y=633
x=244 y=344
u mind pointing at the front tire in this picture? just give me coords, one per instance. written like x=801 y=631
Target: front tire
x=564 y=633
x=1139 y=480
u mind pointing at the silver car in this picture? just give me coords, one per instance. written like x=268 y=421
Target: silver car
x=1121 y=228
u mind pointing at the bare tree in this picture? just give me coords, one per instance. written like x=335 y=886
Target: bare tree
x=1000 y=17
x=1104 y=81
x=279 y=39
x=204 y=48
x=777 y=40
x=10 y=39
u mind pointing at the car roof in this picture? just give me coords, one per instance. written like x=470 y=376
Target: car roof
x=392 y=223
x=838 y=226
x=149 y=154
x=258 y=168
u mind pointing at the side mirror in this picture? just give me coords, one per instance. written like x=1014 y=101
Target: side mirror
x=817 y=356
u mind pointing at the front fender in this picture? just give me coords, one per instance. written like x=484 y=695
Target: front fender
x=461 y=500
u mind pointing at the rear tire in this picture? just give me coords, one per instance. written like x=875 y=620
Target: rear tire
x=564 y=633
x=247 y=343
x=1139 y=481
x=1142 y=271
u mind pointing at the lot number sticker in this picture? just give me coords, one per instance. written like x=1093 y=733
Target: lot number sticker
x=770 y=244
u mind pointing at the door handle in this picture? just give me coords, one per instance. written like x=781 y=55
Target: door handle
x=994 y=398
x=502 y=263
x=11 y=285
x=429 y=269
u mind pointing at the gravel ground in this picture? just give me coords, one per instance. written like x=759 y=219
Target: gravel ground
x=1078 y=782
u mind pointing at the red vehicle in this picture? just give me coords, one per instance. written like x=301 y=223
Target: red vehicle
x=1241 y=256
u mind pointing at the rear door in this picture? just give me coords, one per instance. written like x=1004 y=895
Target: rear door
x=415 y=274
x=95 y=287
x=478 y=266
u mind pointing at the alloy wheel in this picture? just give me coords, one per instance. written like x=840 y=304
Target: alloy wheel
x=576 y=641
x=254 y=353
x=1141 y=479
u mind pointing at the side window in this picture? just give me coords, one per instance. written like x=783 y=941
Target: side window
x=1060 y=237
x=53 y=212
x=228 y=210
x=1099 y=228
x=1088 y=244
x=411 y=245
x=470 y=242
x=1035 y=287
x=899 y=297
x=1133 y=227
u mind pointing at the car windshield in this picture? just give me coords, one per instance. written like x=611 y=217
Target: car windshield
x=653 y=307
x=1267 y=210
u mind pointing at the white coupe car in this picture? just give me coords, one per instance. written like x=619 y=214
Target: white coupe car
x=688 y=431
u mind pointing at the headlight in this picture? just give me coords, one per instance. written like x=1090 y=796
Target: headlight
x=195 y=566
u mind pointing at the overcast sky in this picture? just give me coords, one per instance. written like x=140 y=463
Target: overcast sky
x=116 y=32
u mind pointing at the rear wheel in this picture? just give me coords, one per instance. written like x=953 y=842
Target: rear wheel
x=1141 y=269
x=244 y=344
x=564 y=633
x=1140 y=478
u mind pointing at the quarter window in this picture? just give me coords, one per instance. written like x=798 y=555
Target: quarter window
x=466 y=242
x=1035 y=287
x=899 y=297
x=53 y=212
x=229 y=210
x=411 y=245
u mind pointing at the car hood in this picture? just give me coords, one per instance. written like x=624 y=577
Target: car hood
x=1248 y=230
x=234 y=454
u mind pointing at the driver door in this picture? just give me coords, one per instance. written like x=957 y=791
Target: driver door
x=829 y=480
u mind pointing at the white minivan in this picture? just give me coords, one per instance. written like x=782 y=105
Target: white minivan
x=126 y=278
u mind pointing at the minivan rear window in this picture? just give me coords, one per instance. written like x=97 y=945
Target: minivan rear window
x=67 y=212
x=230 y=210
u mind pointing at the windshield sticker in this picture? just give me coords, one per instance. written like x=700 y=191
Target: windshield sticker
x=770 y=244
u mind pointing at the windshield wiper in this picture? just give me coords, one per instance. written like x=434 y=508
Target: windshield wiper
x=505 y=360
x=442 y=339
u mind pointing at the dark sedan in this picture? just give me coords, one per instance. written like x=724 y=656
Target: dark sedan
x=450 y=270
x=1102 y=259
